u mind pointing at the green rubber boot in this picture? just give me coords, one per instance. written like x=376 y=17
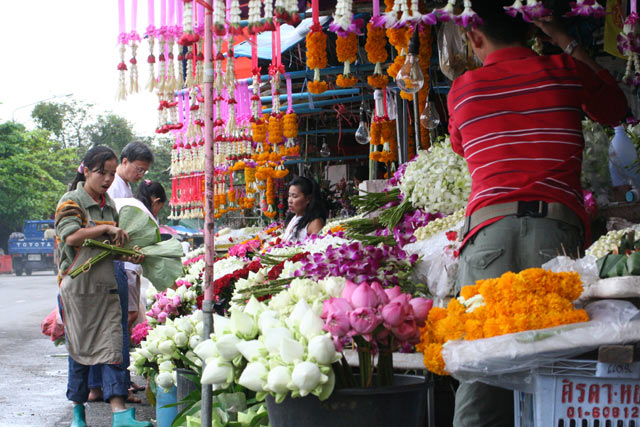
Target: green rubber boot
x=78 y=416
x=127 y=418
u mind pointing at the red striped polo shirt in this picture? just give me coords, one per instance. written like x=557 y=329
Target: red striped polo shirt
x=517 y=122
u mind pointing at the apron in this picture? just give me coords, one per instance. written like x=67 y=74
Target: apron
x=92 y=314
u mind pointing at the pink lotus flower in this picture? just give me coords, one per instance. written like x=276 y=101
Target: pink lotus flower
x=337 y=324
x=394 y=313
x=393 y=292
x=364 y=296
x=364 y=320
x=349 y=287
x=335 y=305
x=421 y=307
x=162 y=317
x=406 y=330
x=382 y=295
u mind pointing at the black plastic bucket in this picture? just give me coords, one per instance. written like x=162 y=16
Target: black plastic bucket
x=403 y=404
x=185 y=386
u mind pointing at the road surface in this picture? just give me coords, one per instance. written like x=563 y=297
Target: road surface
x=32 y=369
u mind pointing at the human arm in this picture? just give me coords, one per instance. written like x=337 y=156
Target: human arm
x=454 y=133
x=315 y=226
x=562 y=39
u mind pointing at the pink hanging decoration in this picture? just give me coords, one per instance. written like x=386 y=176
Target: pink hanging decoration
x=135 y=40
x=151 y=38
x=123 y=39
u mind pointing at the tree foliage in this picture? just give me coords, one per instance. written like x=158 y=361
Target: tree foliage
x=33 y=171
x=111 y=130
x=69 y=122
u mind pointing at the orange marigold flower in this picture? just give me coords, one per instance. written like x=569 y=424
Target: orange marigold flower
x=347 y=48
x=376 y=44
x=378 y=81
x=317 y=86
x=346 y=81
x=398 y=62
x=316 y=49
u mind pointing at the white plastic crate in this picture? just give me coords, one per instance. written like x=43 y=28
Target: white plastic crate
x=570 y=394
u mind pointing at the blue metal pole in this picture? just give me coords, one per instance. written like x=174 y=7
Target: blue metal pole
x=322 y=103
x=326 y=159
x=305 y=95
x=323 y=72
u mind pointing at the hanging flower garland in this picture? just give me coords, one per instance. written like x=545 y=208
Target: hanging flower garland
x=468 y=18
x=219 y=14
x=533 y=9
x=123 y=40
x=269 y=22
x=376 y=47
x=629 y=46
x=316 y=41
x=135 y=40
x=426 y=46
x=587 y=8
x=347 y=50
x=253 y=22
x=234 y=21
x=150 y=35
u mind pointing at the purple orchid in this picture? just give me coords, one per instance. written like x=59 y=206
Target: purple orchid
x=446 y=13
x=428 y=19
x=587 y=8
x=378 y=21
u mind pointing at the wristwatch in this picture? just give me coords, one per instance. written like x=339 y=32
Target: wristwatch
x=571 y=47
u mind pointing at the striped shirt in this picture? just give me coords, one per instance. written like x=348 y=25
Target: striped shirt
x=517 y=122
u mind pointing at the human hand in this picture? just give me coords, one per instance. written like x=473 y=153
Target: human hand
x=134 y=259
x=118 y=235
x=553 y=30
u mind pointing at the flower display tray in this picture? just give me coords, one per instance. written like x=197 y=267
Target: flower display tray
x=403 y=404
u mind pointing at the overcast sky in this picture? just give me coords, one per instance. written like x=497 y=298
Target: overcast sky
x=59 y=47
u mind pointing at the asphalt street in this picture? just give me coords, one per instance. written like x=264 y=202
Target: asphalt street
x=33 y=372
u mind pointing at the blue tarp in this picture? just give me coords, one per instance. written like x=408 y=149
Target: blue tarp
x=184 y=230
x=289 y=37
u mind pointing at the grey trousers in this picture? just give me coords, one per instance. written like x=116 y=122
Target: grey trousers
x=510 y=244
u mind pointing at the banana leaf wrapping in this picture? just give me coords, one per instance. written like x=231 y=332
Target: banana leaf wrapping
x=162 y=263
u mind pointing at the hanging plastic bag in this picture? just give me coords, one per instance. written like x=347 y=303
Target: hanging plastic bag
x=453 y=51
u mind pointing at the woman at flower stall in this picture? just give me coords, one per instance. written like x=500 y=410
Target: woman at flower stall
x=517 y=122
x=90 y=304
x=307 y=213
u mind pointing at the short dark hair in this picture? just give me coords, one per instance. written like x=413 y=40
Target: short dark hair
x=498 y=26
x=137 y=150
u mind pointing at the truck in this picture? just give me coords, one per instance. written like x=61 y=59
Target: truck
x=30 y=250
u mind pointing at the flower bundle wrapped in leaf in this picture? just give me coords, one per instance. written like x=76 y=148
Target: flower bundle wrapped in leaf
x=532 y=299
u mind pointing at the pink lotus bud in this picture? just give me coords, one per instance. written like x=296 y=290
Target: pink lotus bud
x=364 y=296
x=402 y=299
x=382 y=296
x=337 y=323
x=406 y=331
x=162 y=317
x=176 y=300
x=393 y=292
x=335 y=305
x=155 y=310
x=169 y=308
x=349 y=287
x=364 y=320
x=421 y=307
x=163 y=301
x=394 y=313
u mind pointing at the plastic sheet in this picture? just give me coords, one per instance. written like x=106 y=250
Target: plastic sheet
x=508 y=361
x=615 y=287
x=438 y=266
x=586 y=267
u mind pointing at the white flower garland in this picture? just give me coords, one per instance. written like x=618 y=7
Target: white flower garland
x=343 y=14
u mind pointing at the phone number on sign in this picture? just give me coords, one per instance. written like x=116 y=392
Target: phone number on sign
x=604 y=412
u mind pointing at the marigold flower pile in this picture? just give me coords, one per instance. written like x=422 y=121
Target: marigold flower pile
x=532 y=299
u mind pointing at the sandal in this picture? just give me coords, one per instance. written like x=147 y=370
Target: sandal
x=132 y=399
x=136 y=388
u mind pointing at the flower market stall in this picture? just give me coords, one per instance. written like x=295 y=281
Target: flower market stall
x=264 y=324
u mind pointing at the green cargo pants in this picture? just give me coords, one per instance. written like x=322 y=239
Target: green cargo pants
x=510 y=244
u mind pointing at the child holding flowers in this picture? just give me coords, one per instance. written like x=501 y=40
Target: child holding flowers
x=89 y=302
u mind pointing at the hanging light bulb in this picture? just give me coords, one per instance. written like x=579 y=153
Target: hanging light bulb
x=429 y=118
x=324 y=150
x=362 y=133
x=410 y=78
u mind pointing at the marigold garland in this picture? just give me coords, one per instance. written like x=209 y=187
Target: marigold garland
x=532 y=299
x=259 y=131
x=275 y=129
x=316 y=57
x=378 y=81
x=347 y=51
x=290 y=125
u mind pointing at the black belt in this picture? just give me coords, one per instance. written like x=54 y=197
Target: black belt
x=535 y=209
